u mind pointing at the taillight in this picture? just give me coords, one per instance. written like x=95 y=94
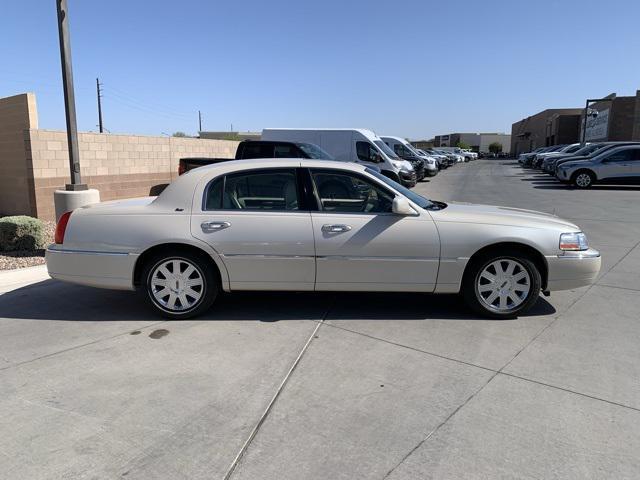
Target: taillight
x=181 y=168
x=61 y=227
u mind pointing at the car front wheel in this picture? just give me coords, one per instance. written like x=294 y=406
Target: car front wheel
x=179 y=286
x=502 y=286
x=583 y=179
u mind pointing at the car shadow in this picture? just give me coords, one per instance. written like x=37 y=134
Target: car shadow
x=53 y=300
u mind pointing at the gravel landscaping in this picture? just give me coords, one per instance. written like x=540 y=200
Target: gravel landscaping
x=24 y=258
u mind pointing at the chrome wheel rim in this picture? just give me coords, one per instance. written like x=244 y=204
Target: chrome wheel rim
x=177 y=285
x=583 y=180
x=503 y=285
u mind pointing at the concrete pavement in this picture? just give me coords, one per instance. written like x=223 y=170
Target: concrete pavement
x=389 y=386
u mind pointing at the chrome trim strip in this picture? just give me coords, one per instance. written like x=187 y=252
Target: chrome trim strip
x=409 y=259
x=577 y=255
x=258 y=255
x=86 y=252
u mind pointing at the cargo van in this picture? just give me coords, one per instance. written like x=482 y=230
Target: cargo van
x=405 y=150
x=350 y=145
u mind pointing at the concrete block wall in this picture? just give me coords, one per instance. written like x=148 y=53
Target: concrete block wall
x=120 y=166
x=17 y=114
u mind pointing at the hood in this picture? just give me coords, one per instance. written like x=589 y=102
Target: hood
x=494 y=215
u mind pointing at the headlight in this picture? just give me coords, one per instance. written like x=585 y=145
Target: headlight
x=402 y=165
x=573 y=241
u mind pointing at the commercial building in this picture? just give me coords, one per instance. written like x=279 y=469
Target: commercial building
x=35 y=162
x=615 y=119
x=612 y=119
x=553 y=126
x=478 y=142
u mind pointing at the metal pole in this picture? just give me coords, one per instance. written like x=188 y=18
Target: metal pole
x=199 y=121
x=99 y=105
x=69 y=97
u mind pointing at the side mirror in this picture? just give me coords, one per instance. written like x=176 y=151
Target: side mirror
x=401 y=206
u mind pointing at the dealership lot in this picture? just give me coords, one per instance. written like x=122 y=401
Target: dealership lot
x=397 y=386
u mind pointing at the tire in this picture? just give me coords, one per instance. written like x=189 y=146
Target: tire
x=583 y=179
x=478 y=290
x=198 y=297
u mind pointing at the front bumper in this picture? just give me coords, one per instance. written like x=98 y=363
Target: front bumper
x=95 y=269
x=573 y=269
x=408 y=179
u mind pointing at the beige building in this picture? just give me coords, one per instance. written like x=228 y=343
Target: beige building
x=35 y=162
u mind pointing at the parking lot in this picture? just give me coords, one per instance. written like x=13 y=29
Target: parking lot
x=338 y=386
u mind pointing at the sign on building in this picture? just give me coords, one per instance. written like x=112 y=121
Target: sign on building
x=598 y=127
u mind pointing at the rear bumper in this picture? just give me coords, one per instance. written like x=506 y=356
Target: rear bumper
x=95 y=269
x=573 y=269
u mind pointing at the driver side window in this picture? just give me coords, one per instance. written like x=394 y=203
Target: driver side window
x=366 y=152
x=342 y=192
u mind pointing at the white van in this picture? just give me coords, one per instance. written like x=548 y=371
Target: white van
x=405 y=150
x=350 y=145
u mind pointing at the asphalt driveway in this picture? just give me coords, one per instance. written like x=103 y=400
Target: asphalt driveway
x=337 y=386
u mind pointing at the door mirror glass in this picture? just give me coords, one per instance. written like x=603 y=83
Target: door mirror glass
x=401 y=206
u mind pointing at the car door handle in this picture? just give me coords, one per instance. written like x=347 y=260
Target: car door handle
x=336 y=228
x=208 y=227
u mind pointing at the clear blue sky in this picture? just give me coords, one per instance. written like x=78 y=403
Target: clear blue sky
x=409 y=68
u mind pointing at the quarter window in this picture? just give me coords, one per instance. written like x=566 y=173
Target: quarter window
x=345 y=193
x=255 y=190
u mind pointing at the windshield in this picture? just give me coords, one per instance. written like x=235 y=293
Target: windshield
x=570 y=149
x=314 y=151
x=414 y=197
x=387 y=151
x=413 y=150
x=588 y=149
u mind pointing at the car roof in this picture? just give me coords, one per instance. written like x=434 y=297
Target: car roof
x=180 y=191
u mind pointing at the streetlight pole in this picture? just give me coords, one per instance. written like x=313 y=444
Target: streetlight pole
x=69 y=97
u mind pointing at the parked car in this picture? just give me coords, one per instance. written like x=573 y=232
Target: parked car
x=447 y=158
x=313 y=225
x=539 y=158
x=248 y=149
x=619 y=165
x=602 y=147
x=441 y=160
x=466 y=155
x=455 y=157
x=548 y=164
x=524 y=159
x=351 y=145
x=405 y=150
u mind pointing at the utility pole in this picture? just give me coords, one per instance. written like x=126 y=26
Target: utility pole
x=69 y=97
x=99 y=105
x=199 y=121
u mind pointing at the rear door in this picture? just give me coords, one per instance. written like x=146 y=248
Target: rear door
x=258 y=223
x=362 y=245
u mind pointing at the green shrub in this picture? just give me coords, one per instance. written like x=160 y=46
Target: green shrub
x=21 y=233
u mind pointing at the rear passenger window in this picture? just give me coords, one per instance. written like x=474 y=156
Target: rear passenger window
x=254 y=190
x=285 y=151
x=257 y=150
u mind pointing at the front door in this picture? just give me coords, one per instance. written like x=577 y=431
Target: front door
x=254 y=219
x=362 y=245
x=616 y=166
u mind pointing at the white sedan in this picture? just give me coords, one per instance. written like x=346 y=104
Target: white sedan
x=314 y=225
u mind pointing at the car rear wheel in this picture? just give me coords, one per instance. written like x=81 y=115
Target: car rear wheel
x=583 y=179
x=179 y=286
x=502 y=286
